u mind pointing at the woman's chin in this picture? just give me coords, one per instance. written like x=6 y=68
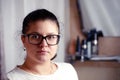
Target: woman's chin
x=42 y=59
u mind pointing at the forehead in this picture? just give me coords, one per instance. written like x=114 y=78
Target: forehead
x=43 y=27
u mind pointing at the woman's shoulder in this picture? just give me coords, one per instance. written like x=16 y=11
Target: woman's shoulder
x=64 y=65
x=68 y=70
x=14 y=73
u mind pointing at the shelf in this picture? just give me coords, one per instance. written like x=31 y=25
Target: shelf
x=110 y=64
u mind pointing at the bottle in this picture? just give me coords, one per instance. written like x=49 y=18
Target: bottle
x=84 y=51
x=89 y=46
x=78 y=48
x=95 y=45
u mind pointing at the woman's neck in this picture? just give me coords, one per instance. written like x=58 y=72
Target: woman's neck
x=45 y=68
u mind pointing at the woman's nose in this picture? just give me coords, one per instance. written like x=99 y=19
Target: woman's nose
x=44 y=43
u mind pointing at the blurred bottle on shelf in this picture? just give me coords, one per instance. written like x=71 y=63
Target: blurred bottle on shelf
x=95 y=45
x=95 y=36
x=89 y=46
x=78 y=49
x=84 y=48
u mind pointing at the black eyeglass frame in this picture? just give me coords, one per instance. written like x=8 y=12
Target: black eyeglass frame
x=43 y=37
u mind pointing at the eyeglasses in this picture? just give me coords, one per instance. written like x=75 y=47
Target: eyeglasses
x=37 y=39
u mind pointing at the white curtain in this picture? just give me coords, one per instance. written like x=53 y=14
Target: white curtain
x=101 y=14
x=2 y=56
x=12 y=13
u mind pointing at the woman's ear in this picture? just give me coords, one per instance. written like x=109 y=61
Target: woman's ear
x=23 y=39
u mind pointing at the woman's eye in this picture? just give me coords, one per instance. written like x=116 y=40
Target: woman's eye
x=51 y=37
x=35 y=36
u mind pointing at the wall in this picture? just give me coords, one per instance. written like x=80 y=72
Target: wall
x=76 y=27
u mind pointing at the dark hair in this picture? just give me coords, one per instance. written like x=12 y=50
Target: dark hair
x=40 y=14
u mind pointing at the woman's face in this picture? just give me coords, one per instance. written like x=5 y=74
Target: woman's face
x=41 y=52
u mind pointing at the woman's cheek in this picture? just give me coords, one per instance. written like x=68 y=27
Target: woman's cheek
x=54 y=50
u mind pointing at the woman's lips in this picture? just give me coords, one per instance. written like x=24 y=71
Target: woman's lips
x=42 y=52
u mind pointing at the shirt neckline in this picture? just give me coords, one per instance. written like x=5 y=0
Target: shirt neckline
x=28 y=73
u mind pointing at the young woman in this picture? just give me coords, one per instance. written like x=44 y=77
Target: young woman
x=40 y=36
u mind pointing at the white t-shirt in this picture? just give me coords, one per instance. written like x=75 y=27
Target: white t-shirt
x=65 y=71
